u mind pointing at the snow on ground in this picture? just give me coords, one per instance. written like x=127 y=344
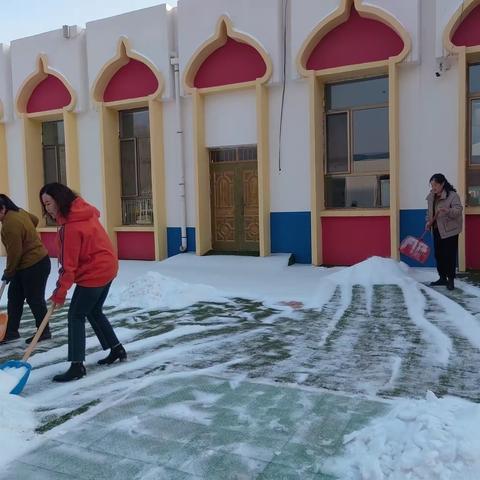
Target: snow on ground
x=417 y=440
x=17 y=424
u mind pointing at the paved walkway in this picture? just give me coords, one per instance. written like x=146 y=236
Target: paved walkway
x=203 y=427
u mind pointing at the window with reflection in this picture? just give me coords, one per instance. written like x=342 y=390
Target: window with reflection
x=135 y=163
x=473 y=163
x=53 y=154
x=357 y=144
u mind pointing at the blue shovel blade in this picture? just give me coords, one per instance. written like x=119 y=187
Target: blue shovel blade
x=23 y=380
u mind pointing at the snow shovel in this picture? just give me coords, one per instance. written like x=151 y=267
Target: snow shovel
x=3 y=315
x=21 y=369
x=415 y=248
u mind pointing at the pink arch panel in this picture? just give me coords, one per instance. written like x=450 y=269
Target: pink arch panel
x=234 y=62
x=133 y=80
x=371 y=234
x=49 y=94
x=468 y=32
x=358 y=40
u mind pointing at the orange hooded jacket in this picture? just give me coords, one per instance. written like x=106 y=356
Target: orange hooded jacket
x=86 y=254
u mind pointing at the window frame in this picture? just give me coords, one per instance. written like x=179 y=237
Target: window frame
x=350 y=136
x=137 y=196
x=471 y=97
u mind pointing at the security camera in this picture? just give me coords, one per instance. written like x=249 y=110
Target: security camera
x=443 y=64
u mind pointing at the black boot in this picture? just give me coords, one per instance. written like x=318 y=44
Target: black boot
x=450 y=284
x=10 y=337
x=116 y=353
x=75 y=372
x=46 y=335
x=440 y=281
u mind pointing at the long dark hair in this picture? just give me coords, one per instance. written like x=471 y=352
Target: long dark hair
x=63 y=195
x=7 y=203
x=440 y=178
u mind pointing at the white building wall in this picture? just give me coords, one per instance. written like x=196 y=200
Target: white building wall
x=428 y=119
x=6 y=97
x=258 y=19
x=290 y=173
x=64 y=55
x=148 y=31
x=16 y=163
x=231 y=119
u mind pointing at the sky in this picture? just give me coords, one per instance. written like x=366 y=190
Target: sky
x=23 y=18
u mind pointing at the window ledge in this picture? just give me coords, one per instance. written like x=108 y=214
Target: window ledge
x=356 y=212
x=135 y=228
x=472 y=210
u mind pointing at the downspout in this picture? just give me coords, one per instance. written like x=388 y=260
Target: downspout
x=179 y=144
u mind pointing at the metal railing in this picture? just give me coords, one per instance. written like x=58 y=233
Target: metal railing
x=137 y=211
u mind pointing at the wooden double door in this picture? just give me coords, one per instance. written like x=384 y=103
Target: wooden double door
x=234 y=199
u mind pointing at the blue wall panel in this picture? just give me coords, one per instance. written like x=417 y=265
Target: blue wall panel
x=174 y=240
x=291 y=233
x=412 y=222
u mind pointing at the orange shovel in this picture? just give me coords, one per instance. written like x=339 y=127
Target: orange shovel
x=3 y=316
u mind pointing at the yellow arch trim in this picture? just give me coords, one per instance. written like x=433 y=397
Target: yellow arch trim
x=30 y=83
x=462 y=12
x=122 y=57
x=340 y=16
x=465 y=55
x=223 y=30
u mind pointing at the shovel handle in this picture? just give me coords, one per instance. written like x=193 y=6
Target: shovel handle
x=40 y=330
x=2 y=288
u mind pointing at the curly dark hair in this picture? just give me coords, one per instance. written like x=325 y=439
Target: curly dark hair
x=63 y=195
x=7 y=203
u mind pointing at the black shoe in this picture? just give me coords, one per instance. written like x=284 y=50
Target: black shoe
x=116 y=353
x=10 y=337
x=440 y=281
x=46 y=335
x=450 y=284
x=75 y=372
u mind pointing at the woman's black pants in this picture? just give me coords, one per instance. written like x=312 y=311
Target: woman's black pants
x=28 y=284
x=446 y=250
x=87 y=303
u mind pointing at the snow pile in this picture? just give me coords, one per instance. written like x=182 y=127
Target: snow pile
x=154 y=290
x=9 y=377
x=431 y=439
x=373 y=271
x=382 y=271
x=17 y=424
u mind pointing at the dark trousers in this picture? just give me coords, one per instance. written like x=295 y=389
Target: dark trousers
x=87 y=302
x=28 y=284
x=445 y=254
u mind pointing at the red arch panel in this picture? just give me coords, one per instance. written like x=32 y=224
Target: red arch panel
x=468 y=32
x=358 y=40
x=234 y=62
x=49 y=94
x=133 y=80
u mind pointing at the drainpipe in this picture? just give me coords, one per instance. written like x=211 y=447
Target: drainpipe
x=179 y=139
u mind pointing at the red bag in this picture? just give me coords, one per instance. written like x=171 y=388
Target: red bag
x=415 y=248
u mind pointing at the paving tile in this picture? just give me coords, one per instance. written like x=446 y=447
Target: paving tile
x=90 y=465
x=22 y=471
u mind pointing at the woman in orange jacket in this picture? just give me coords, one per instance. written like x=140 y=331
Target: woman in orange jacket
x=87 y=258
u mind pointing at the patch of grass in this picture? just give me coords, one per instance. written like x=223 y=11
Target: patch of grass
x=54 y=422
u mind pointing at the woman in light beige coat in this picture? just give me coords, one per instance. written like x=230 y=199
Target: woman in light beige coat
x=445 y=219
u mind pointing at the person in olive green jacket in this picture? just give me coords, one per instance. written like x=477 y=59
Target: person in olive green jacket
x=27 y=269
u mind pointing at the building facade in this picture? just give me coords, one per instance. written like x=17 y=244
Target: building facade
x=297 y=126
